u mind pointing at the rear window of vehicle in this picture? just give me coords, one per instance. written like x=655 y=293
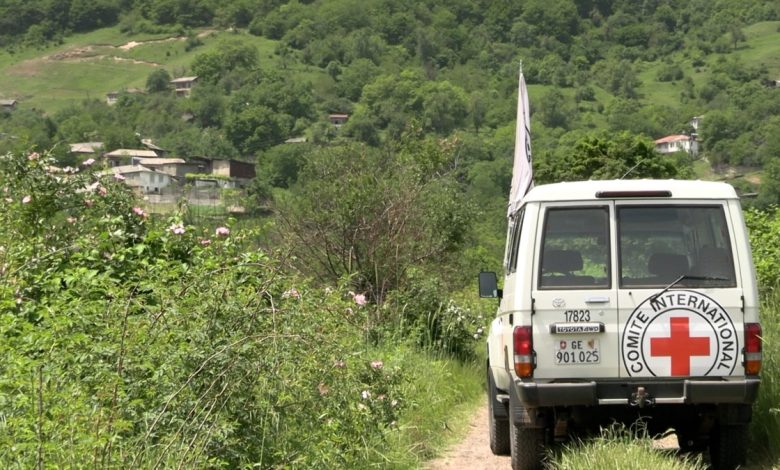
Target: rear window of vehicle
x=658 y=245
x=575 y=249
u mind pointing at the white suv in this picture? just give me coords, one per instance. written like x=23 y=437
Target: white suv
x=624 y=300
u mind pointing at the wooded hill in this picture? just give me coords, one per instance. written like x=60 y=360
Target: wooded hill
x=606 y=78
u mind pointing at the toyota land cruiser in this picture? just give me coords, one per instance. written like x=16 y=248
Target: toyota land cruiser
x=624 y=300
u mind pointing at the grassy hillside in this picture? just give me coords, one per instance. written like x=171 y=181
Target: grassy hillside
x=93 y=64
x=759 y=50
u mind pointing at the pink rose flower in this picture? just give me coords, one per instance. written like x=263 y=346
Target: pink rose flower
x=26 y=199
x=177 y=229
x=89 y=161
x=119 y=177
x=222 y=231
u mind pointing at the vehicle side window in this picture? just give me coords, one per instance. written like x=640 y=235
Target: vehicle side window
x=575 y=249
x=660 y=244
x=514 y=247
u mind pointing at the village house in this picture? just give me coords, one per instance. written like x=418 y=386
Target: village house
x=177 y=167
x=678 y=143
x=143 y=180
x=8 y=105
x=150 y=145
x=121 y=157
x=227 y=173
x=338 y=119
x=183 y=85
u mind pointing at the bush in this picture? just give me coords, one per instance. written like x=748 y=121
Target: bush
x=764 y=226
x=432 y=320
x=128 y=341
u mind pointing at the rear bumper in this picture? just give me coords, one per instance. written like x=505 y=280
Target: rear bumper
x=615 y=392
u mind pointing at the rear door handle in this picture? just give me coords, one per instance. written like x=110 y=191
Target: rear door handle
x=597 y=300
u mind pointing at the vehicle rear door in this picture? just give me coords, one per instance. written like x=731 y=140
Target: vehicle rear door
x=574 y=293
x=678 y=290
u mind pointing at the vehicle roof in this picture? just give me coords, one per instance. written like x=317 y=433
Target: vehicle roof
x=586 y=190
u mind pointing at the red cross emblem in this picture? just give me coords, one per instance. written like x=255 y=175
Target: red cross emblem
x=680 y=346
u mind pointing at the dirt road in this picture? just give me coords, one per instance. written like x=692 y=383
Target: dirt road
x=473 y=452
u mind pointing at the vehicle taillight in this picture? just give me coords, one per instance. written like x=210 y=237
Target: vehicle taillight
x=752 y=348
x=524 y=346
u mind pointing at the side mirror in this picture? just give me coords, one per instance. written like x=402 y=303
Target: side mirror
x=488 y=285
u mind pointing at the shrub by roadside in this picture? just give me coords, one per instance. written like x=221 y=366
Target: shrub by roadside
x=132 y=341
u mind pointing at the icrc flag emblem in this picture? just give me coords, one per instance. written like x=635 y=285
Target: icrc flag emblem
x=679 y=333
x=522 y=174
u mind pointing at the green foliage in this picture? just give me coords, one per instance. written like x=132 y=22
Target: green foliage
x=130 y=341
x=765 y=428
x=431 y=320
x=764 y=226
x=600 y=157
x=228 y=56
x=157 y=81
x=279 y=166
x=373 y=215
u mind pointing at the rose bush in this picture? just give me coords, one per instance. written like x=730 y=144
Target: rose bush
x=129 y=340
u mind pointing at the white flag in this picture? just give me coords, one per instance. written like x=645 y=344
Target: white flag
x=522 y=175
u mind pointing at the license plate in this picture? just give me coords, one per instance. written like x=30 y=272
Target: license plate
x=577 y=351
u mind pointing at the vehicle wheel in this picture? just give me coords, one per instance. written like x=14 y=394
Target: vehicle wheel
x=690 y=443
x=527 y=446
x=499 y=428
x=728 y=446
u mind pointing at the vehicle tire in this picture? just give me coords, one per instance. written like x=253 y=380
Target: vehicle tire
x=728 y=446
x=690 y=443
x=499 y=428
x=527 y=445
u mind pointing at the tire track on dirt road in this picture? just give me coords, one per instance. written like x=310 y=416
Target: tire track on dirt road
x=473 y=452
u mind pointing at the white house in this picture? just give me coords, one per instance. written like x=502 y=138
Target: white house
x=143 y=180
x=677 y=143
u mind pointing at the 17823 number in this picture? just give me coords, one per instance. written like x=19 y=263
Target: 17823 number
x=576 y=315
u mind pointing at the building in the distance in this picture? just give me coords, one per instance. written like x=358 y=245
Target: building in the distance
x=183 y=85
x=678 y=143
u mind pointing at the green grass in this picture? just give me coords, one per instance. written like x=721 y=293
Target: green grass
x=761 y=47
x=617 y=449
x=766 y=412
x=52 y=78
x=441 y=397
x=46 y=79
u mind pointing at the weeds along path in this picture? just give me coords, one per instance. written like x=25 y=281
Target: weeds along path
x=473 y=452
